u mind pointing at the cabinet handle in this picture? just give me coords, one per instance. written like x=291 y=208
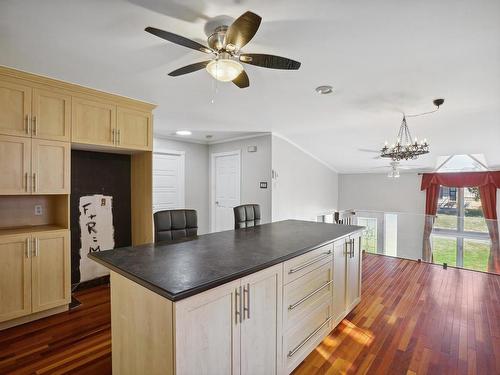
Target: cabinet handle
x=237 y=305
x=28 y=125
x=35 y=128
x=113 y=136
x=26 y=181
x=352 y=248
x=28 y=247
x=246 y=305
x=311 y=335
x=300 y=301
x=119 y=136
x=34 y=183
x=312 y=261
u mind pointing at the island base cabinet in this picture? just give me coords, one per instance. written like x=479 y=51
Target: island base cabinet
x=353 y=287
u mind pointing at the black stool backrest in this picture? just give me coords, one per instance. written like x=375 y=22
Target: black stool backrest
x=246 y=215
x=174 y=224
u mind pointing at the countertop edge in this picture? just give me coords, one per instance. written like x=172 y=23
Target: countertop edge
x=215 y=283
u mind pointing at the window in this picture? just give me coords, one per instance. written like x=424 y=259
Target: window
x=460 y=235
x=369 y=239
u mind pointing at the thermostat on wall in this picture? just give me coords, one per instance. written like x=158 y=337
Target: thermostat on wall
x=252 y=148
x=263 y=185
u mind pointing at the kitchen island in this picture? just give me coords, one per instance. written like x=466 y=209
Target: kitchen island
x=248 y=301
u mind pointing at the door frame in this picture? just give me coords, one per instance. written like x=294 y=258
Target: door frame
x=182 y=184
x=212 y=182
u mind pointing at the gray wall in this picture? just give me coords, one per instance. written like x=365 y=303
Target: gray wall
x=255 y=168
x=196 y=176
x=304 y=188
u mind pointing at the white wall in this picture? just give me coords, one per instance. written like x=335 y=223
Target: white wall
x=255 y=168
x=304 y=188
x=196 y=176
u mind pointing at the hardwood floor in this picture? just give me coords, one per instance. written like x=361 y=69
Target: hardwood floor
x=414 y=318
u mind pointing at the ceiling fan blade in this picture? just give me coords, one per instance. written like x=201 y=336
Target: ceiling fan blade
x=269 y=61
x=189 y=68
x=242 y=80
x=242 y=30
x=177 y=39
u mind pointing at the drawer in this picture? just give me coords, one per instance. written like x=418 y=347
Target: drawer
x=306 y=293
x=302 y=339
x=299 y=266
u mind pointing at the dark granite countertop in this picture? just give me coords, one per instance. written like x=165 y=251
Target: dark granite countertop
x=188 y=267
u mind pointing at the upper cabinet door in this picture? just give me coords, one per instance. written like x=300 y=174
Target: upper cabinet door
x=93 y=122
x=51 y=167
x=15 y=108
x=207 y=324
x=51 y=115
x=15 y=165
x=15 y=277
x=134 y=129
x=51 y=270
x=261 y=329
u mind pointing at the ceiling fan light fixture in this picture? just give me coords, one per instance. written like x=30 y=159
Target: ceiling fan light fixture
x=224 y=70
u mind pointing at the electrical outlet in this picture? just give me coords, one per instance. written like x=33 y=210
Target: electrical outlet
x=38 y=210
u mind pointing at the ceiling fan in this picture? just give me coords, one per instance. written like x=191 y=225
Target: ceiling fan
x=395 y=167
x=224 y=44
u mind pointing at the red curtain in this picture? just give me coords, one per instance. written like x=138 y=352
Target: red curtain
x=431 y=201
x=488 y=183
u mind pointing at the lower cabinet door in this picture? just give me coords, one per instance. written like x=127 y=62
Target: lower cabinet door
x=15 y=277
x=207 y=332
x=354 y=273
x=339 y=280
x=261 y=327
x=51 y=270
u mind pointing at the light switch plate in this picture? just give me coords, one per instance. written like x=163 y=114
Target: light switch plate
x=38 y=210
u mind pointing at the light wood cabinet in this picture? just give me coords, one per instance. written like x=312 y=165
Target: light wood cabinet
x=353 y=288
x=260 y=337
x=93 y=122
x=134 y=129
x=15 y=277
x=51 y=113
x=34 y=273
x=50 y=163
x=15 y=108
x=51 y=284
x=15 y=165
x=34 y=166
x=208 y=325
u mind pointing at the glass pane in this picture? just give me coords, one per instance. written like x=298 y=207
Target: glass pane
x=444 y=250
x=476 y=254
x=447 y=208
x=473 y=217
x=369 y=239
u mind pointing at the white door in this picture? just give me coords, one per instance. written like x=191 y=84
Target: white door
x=225 y=189
x=168 y=180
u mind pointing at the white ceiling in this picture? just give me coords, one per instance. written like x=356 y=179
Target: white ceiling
x=210 y=137
x=382 y=57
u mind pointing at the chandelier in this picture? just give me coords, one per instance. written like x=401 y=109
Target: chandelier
x=404 y=148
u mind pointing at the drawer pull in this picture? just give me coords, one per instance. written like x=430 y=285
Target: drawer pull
x=312 y=261
x=297 y=348
x=291 y=307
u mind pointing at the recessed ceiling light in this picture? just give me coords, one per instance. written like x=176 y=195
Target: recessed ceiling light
x=183 y=132
x=325 y=89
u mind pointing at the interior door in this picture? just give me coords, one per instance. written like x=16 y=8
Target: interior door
x=15 y=165
x=354 y=273
x=339 y=280
x=15 y=108
x=168 y=181
x=226 y=186
x=50 y=166
x=261 y=328
x=207 y=338
x=134 y=129
x=51 y=270
x=15 y=277
x=93 y=122
x=51 y=115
